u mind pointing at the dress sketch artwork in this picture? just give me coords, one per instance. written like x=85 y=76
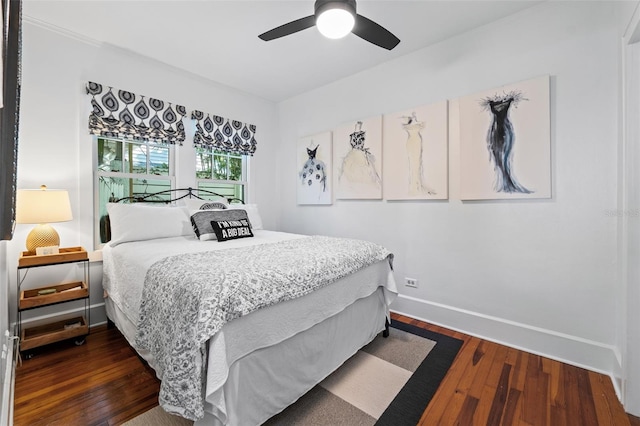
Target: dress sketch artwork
x=414 y=148
x=501 y=138
x=359 y=168
x=415 y=153
x=505 y=142
x=314 y=173
x=359 y=165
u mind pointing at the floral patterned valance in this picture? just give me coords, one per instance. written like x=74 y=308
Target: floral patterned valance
x=118 y=113
x=213 y=131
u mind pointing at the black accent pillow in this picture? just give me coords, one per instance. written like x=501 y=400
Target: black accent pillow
x=201 y=223
x=231 y=224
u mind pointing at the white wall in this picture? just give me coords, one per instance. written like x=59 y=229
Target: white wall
x=535 y=274
x=4 y=289
x=56 y=149
x=4 y=307
x=629 y=214
x=5 y=399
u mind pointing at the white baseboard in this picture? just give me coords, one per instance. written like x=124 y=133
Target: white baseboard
x=572 y=350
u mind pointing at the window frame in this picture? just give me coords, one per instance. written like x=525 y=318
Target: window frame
x=243 y=182
x=98 y=174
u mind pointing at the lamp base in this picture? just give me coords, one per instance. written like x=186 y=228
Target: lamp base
x=42 y=235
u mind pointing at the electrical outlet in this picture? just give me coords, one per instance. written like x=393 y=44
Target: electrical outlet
x=411 y=282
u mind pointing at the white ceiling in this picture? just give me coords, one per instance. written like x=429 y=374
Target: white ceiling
x=219 y=40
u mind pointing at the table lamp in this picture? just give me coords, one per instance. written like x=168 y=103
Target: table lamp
x=42 y=206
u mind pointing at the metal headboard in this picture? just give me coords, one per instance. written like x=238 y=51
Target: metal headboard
x=173 y=196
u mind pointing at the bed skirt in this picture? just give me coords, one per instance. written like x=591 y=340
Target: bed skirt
x=267 y=380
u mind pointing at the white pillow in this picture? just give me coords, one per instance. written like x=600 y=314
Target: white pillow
x=197 y=204
x=138 y=222
x=252 y=212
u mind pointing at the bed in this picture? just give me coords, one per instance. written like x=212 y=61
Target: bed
x=268 y=343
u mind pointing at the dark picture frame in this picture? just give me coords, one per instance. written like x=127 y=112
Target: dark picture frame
x=10 y=113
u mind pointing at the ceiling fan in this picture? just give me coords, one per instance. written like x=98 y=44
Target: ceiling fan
x=336 y=19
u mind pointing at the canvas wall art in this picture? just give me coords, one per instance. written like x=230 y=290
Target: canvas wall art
x=505 y=142
x=357 y=148
x=314 y=169
x=415 y=153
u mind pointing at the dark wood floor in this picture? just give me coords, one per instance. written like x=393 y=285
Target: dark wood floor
x=103 y=382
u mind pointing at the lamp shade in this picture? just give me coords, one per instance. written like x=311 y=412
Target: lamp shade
x=42 y=205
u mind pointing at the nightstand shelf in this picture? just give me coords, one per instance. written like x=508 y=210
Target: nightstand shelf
x=65 y=255
x=31 y=299
x=41 y=335
x=62 y=327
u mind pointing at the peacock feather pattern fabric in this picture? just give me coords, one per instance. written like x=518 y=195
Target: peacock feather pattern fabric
x=232 y=136
x=119 y=113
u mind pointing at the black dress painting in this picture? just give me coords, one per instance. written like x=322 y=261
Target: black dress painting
x=505 y=142
x=501 y=139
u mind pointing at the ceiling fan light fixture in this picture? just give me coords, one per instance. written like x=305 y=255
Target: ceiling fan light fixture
x=335 y=19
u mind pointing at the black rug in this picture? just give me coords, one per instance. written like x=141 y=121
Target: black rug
x=408 y=406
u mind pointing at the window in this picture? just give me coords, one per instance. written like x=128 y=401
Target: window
x=128 y=168
x=221 y=172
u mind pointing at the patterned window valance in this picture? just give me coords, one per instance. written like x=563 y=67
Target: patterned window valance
x=124 y=114
x=213 y=131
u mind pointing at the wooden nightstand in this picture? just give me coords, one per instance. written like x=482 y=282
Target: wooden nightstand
x=62 y=328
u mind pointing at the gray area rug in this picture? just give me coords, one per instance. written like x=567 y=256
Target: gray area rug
x=365 y=389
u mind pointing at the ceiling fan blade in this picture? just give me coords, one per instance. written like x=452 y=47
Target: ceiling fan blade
x=368 y=30
x=289 y=28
